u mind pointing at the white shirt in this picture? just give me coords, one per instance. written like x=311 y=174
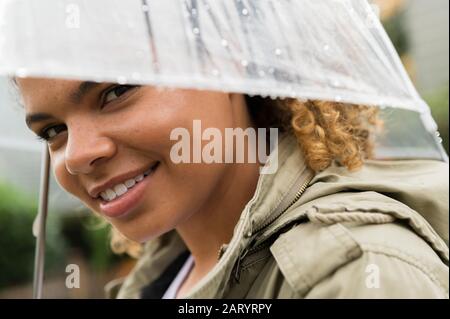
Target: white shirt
x=171 y=292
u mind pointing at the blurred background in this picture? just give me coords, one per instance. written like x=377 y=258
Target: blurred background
x=419 y=30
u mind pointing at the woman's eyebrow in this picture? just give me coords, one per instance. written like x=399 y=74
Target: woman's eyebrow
x=75 y=97
x=36 y=117
x=83 y=89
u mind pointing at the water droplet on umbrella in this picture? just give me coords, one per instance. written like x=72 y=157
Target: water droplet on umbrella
x=21 y=72
x=121 y=80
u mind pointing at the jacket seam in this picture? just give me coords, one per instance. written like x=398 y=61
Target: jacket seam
x=337 y=231
x=340 y=233
x=292 y=267
x=406 y=258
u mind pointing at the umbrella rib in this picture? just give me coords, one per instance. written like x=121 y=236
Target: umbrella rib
x=153 y=50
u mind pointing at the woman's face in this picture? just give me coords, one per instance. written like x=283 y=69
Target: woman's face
x=104 y=136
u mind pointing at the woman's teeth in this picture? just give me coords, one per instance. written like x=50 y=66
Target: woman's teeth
x=122 y=188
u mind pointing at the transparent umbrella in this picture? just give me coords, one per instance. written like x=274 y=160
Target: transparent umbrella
x=332 y=50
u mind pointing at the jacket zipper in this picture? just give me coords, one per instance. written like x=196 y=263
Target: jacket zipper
x=298 y=194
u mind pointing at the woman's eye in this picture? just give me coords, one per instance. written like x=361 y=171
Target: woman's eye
x=116 y=92
x=50 y=132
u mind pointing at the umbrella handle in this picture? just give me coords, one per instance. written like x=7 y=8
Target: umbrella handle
x=39 y=258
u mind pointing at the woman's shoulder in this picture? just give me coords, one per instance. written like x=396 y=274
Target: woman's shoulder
x=351 y=260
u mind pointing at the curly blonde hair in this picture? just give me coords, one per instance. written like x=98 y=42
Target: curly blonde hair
x=326 y=132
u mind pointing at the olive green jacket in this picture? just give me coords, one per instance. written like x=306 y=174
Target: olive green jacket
x=379 y=232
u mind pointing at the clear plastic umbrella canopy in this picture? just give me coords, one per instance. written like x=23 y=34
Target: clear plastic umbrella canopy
x=323 y=49
x=332 y=50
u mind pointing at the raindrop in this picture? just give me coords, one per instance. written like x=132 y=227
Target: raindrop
x=215 y=72
x=244 y=62
x=245 y=12
x=21 y=72
x=224 y=43
x=196 y=30
x=194 y=12
x=336 y=83
x=278 y=52
x=121 y=80
x=326 y=47
x=145 y=8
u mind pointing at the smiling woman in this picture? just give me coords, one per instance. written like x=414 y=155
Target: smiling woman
x=110 y=146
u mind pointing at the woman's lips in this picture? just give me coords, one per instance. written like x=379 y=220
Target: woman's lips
x=124 y=204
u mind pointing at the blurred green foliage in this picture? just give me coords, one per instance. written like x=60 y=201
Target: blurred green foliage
x=17 y=212
x=91 y=236
x=66 y=232
x=395 y=28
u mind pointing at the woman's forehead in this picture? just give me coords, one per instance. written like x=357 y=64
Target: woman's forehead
x=37 y=92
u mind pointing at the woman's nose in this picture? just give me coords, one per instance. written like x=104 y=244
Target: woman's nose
x=86 y=149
